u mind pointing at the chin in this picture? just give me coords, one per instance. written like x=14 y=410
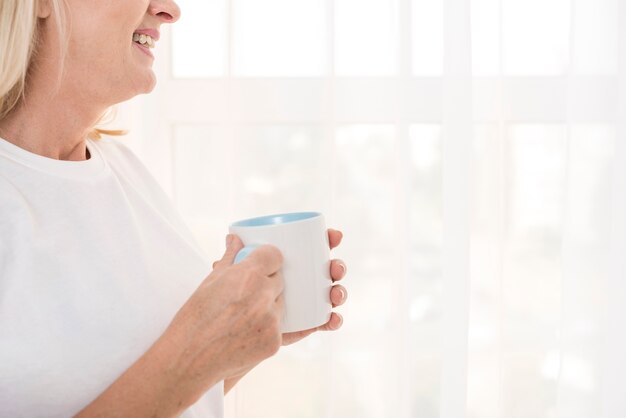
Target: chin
x=143 y=82
x=150 y=83
x=145 y=86
x=146 y=90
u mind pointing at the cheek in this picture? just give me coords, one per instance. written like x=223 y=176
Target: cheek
x=104 y=67
x=97 y=56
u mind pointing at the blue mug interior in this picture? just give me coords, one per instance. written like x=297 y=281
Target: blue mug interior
x=276 y=219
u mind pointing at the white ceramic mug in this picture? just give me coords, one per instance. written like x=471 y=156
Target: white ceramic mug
x=303 y=241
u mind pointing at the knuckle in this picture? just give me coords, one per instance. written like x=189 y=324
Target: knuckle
x=273 y=252
x=245 y=273
x=252 y=270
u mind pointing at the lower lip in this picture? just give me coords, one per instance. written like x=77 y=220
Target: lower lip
x=144 y=49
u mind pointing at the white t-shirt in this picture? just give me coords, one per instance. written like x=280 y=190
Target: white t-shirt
x=94 y=264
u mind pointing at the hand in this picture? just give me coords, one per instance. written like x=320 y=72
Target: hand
x=232 y=321
x=338 y=295
x=228 y=325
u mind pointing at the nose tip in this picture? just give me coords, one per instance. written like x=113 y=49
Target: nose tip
x=166 y=10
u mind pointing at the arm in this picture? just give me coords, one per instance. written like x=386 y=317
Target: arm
x=154 y=386
x=228 y=325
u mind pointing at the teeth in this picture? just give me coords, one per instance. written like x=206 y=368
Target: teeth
x=144 y=39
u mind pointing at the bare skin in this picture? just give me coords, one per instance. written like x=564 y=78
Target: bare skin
x=230 y=323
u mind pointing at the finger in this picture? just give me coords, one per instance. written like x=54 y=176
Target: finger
x=338 y=295
x=233 y=246
x=266 y=257
x=334 y=237
x=338 y=269
x=293 y=337
x=333 y=324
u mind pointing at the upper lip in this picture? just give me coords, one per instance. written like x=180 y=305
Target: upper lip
x=153 y=33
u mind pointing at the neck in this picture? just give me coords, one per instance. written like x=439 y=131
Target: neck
x=51 y=124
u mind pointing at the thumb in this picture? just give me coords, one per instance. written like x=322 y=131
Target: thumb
x=233 y=246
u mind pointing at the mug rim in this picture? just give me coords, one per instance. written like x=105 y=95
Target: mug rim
x=275 y=219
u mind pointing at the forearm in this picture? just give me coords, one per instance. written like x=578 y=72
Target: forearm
x=154 y=387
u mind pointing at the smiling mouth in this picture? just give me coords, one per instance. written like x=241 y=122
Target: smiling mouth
x=144 y=40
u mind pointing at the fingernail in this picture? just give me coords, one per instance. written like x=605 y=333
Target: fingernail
x=343 y=293
x=343 y=267
x=229 y=239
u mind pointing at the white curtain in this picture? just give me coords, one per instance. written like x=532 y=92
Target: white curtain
x=474 y=155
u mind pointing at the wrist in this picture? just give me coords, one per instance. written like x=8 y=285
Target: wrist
x=190 y=372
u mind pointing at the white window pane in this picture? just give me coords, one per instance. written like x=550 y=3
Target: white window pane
x=427 y=29
x=536 y=36
x=591 y=152
x=596 y=36
x=365 y=169
x=537 y=177
x=279 y=37
x=294 y=383
x=365 y=365
x=538 y=197
x=424 y=282
x=425 y=226
x=199 y=39
x=525 y=389
x=484 y=357
x=426 y=209
x=586 y=241
x=365 y=37
x=532 y=270
x=279 y=169
x=485 y=37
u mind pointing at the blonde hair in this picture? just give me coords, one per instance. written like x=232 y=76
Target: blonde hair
x=19 y=38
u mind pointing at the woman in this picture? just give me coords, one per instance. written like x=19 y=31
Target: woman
x=107 y=306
